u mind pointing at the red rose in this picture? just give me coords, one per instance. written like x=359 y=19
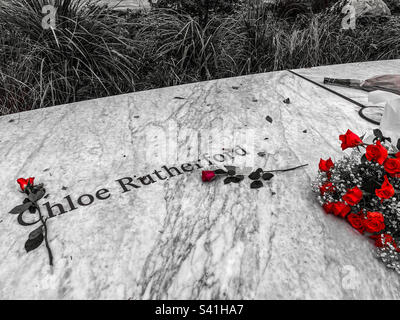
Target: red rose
x=356 y=222
x=382 y=240
x=377 y=153
x=328 y=207
x=24 y=182
x=353 y=196
x=374 y=222
x=327 y=187
x=340 y=209
x=398 y=155
x=207 y=176
x=392 y=166
x=325 y=165
x=350 y=140
x=386 y=191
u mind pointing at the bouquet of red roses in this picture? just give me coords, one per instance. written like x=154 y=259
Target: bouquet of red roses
x=363 y=188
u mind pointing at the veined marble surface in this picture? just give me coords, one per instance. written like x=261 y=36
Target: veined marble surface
x=180 y=238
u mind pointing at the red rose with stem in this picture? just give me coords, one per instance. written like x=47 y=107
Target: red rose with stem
x=374 y=222
x=353 y=196
x=350 y=140
x=386 y=191
x=392 y=166
x=356 y=222
x=35 y=193
x=376 y=153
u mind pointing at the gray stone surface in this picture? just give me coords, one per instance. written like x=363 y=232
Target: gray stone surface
x=180 y=238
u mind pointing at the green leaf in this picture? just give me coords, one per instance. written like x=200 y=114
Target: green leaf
x=267 y=176
x=255 y=175
x=32 y=244
x=36 y=233
x=378 y=133
x=256 y=184
x=21 y=208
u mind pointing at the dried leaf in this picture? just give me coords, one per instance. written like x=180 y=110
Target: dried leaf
x=237 y=178
x=227 y=180
x=219 y=171
x=36 y=196
x=230 y=168
x=378 y=134
x=269 y=119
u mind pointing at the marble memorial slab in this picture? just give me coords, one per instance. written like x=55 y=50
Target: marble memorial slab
x=131 y=219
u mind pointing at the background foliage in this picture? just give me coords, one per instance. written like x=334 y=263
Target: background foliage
x=96 y=51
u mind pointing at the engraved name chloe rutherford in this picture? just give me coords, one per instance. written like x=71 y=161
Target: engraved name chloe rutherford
x=127 y=184
x=31 y=213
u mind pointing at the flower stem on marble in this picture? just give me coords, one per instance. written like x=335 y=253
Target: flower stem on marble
x=290 y=169
x=44 y=224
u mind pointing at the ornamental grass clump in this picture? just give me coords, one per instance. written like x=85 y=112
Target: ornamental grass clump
x=87 y=54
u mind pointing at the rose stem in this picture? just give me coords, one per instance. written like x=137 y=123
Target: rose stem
x=45 y=234
x=304 y=165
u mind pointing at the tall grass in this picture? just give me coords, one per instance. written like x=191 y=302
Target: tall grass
x=180 y=50
x=87 y=55
x=96 y=52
